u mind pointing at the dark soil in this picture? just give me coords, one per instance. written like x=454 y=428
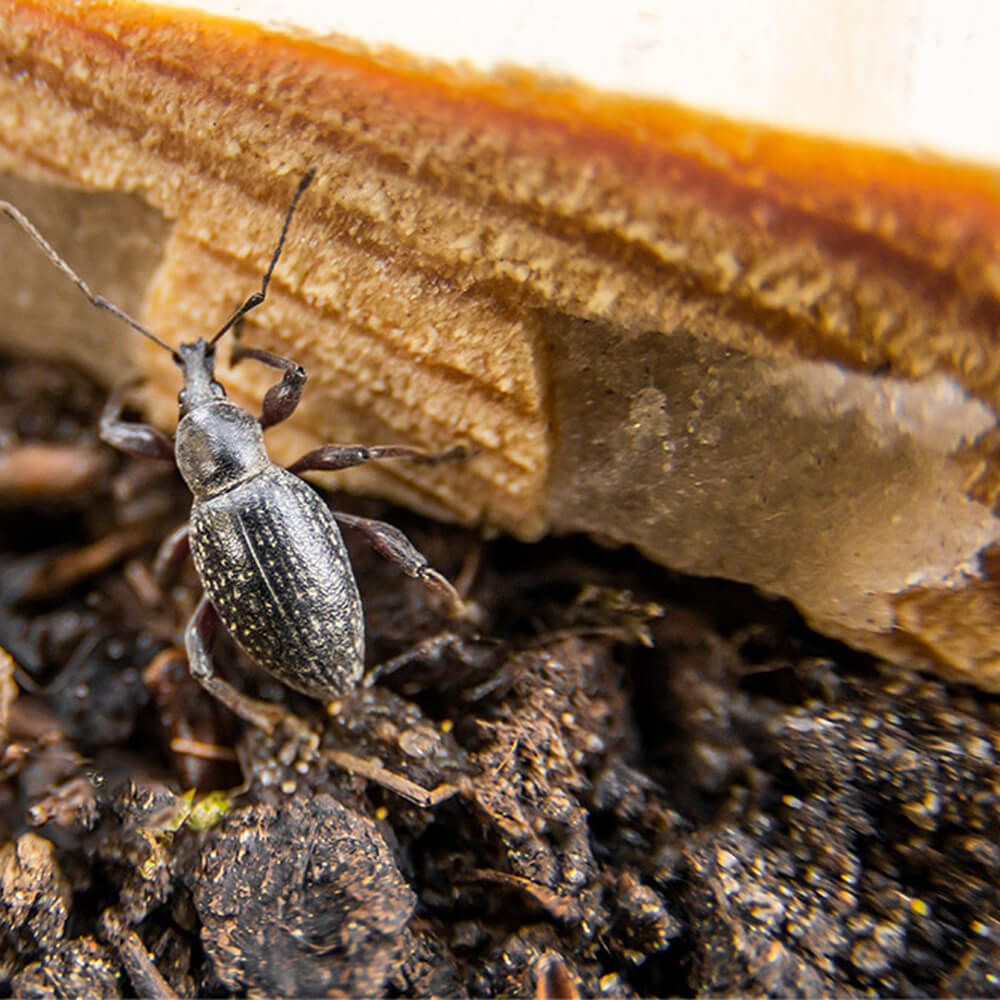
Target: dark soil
x=645 y=784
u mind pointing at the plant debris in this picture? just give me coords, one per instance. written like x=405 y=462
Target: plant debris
x=639 y=784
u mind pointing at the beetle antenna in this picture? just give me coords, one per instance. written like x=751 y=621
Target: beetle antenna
x=257 y=298
x=99 y=301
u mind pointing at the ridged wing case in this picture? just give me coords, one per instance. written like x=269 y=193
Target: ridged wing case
x=275 y=568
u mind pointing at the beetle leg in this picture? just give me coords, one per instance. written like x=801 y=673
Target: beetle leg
x=390 y=543
x=281 y=399
x=134 y=439
x=198 y=640
x=172 y=552
x=332 y=457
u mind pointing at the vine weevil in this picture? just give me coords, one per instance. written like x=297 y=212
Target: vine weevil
x=267 y=549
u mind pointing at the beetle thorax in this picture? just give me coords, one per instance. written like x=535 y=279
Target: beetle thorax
x=218 y=446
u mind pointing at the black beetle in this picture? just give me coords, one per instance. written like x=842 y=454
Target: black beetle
x=267 y=549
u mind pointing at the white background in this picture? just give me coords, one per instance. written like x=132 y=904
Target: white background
x=913 y=74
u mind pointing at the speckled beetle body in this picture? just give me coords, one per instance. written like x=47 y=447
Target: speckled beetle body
x=268 y=551
x=274 y=566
